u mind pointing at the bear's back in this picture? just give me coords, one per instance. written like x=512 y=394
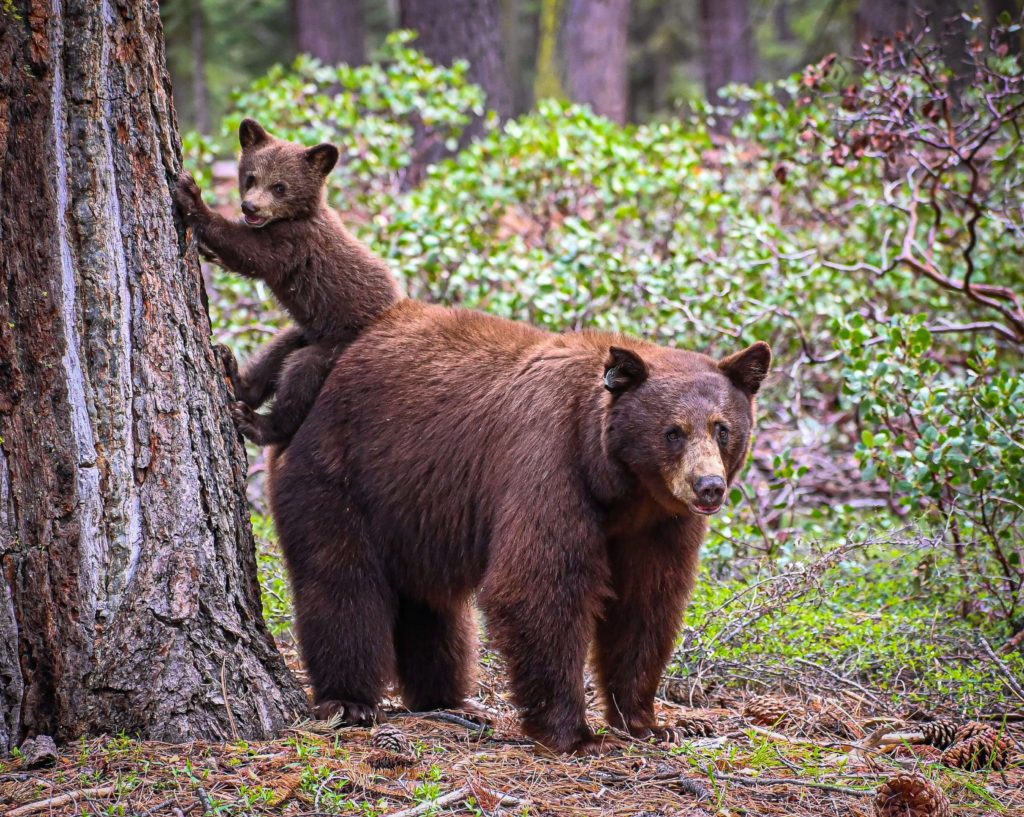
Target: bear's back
x=435 y=418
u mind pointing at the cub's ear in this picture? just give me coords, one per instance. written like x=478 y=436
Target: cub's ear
x=623 y=370
x=747 y=369
x=251 y=133
x=323 y=157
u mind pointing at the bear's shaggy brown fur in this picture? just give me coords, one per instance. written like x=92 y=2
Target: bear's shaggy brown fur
x=330 y=283
x=564 y=479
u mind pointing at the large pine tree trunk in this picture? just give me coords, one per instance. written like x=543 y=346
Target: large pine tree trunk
x=128 y=596
x=333 y=31
x=467 y=29
x=595 y=55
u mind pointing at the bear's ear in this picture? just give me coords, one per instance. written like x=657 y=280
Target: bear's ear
x=323 y=157
x=251 y=133
x=747 y=369
x=623 y=370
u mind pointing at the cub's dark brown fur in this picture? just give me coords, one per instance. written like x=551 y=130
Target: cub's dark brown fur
x=329 y=282
x=566 y=480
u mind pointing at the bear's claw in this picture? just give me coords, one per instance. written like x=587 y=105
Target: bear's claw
x=347 y=712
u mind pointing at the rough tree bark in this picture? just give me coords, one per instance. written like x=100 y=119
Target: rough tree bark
x=595 y=55
x=729 y=51
x=128 y=595
x=333 y=31
x=467 y=29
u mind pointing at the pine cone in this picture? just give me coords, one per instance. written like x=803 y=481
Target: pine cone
x=393 y=748
x=983 y=751
x=972 y=729
x=766 y=711
x=694 y=728
x=910 y=795
x=391 y=739
x=941 y=734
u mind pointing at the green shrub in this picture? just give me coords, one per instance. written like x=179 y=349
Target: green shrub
x=791 y=231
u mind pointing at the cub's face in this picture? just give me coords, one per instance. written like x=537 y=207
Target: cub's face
x=680 y=422
x=280 y=180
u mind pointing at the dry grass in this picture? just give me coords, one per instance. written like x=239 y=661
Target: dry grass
x=812 y=762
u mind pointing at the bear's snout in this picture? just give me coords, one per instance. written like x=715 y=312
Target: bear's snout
x=709 y=491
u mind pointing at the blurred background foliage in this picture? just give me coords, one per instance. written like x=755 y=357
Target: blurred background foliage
x=863 y=214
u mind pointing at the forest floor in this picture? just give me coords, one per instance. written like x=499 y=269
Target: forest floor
x=820 y=756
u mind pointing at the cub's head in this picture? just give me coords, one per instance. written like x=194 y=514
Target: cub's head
x=680 y=422
x=280 y=180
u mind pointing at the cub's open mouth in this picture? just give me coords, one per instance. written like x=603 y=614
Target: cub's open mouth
x=255 y=221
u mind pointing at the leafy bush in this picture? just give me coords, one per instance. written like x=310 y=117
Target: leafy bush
x=949 y=445
x=806 y=228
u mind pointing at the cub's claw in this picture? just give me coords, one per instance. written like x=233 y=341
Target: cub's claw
x=187 y=197
x=247 y=422
x=228 y=361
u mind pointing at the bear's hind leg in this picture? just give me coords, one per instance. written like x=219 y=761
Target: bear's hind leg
x=436 y=654
x=345 y=607
x=344 y=621
x=542 y=594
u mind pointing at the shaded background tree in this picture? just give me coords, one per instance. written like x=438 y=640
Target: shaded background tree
x=464 y=29
x=129 y=596
x=630 y=59
x=330 y=30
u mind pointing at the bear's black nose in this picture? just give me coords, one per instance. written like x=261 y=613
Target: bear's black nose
x=710 y=491
x=249 y=209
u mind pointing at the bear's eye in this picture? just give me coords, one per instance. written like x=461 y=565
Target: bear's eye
x=722 y=435
x=250 y=180
x=675 y=435
x=279 y=189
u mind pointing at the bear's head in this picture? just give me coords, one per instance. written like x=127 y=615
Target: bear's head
x=280 y=180
x=680 y=422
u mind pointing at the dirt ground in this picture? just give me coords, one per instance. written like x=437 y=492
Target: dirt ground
x=786 y=754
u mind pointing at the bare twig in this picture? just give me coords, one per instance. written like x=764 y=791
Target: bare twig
x=59 y=800
x=1008 y=676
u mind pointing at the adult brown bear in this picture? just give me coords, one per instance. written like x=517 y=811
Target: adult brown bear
x=566 y=479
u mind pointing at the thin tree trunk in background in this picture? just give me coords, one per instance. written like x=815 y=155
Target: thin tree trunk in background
x=780 y=16
x=595 y=55
x=200 y=93
x=510 y=25
x=466 y=29
x=729 y=51
x=548 y=82
x=882 y=18
x=128 y=596
x=330 y=30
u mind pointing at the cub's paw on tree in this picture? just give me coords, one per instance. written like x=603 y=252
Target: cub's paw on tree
x=249 y=423
x=188 y=198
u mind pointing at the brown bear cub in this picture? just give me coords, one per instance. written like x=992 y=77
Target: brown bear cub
x=566 y=480
x=330 y=283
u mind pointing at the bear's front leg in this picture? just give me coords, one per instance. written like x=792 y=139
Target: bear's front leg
x=652 y=577
x=541 y=595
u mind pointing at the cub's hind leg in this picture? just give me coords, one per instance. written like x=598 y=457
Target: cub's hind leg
x=256 y=382
x=298 y=386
